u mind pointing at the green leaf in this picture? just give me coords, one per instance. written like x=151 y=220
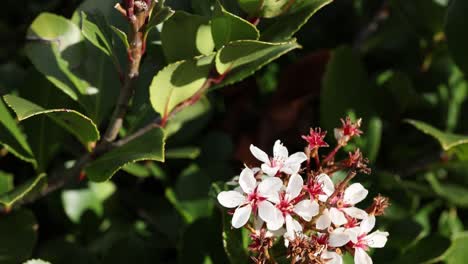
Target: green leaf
x=11 y=136
x=457 y=40
x=185 y=36
x=197 y=111
x=227 y=27
x=374 y=138
x=19 y=236
x=233 y=241
x=36 y=261
x=122 y=36
x=149 y=146
x=285 y=26
x=183 y=153
x=240 y=59
x=53 y=48
x=453 y=193
x=76 y=202
x=97 y=32
x=449 y=223
x=428 y=249
x=448 y=141
x=190 y=196
x=345 y=89
x=6 y=182
x=159 y=14
x=74 y=122
x=458 y=251
x=21 y=192
x=178 y=82
x=265 y=8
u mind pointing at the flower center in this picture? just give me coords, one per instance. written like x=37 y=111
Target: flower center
x=362 y=243
x=255 y=198
x=315 y=190
x=285 y=206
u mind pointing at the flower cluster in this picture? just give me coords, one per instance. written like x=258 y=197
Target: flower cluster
x=292 y=198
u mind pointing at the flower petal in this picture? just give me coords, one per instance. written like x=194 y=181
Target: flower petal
x=268 y=170
x=337 y=217
x=296 y=158
x=259 y=154
x=327 y=185
x=277 y=221
x=291 y=168
x=355 y=212
x=280 y=151
x=292 y=227
x=354 y=194
x=230 y=199
x=361 y=257
x=247 y=180
x=324 y=221
x=367 y=224
x=294 y=186
x=377 y=239
x=267 y=211
x=338 y=238
x=241 y=216
x=332 y=257
x=306 y=209
x=270 y=185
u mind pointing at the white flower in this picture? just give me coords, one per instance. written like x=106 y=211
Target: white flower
x=281 y=161
x=344 y=206
x=251 y=197
x=377 y=239
x=290 y=203
x=331 y=257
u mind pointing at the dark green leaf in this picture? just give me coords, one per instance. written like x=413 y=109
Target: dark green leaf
x=52 y=37
x=74 y=122
x=457 y=40
x=284 y=27
x=449 y=223
x=96 y=30
x=345 y=89
x=159 y=14
x=448 y=141
x=178 y=82
x=11 y=136
x=6 y=182
x=183 y=153
x=19 y=236
x=240 y=59
x=22 y=191
x=428 y=249
x=453 y=193
x=150 y=146
x=227 y=27
x=185 y=36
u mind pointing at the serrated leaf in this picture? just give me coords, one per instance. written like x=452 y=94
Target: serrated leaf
x=345 y=89
x=11 y=136
x=74 y=122
x=183 y=153
x=195 y=112
x=53 y=47
x=178 y=82
x=448 y=141
x=457 y=40
x=76 y=202
x=185 y=36
x=21 y=192
x=19 y=236
x=149 y=146
x=240 y=59
x=285 y=26
x=227 y=27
